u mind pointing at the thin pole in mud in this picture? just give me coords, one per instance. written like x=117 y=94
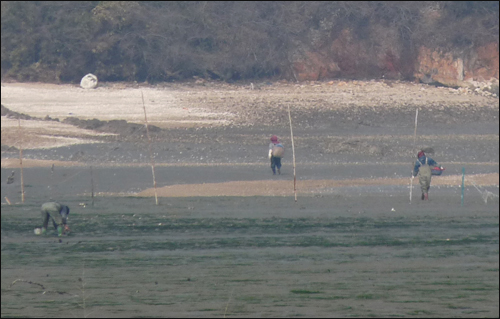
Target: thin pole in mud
x=92 y=186
x=463 y=179
x=293 y=155
x=52 y=182
x=413 y=149
x=21 y=160
x=149 y=147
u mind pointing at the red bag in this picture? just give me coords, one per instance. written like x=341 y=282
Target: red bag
x=437 y=170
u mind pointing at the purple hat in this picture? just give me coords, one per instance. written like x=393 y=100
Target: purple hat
x=274 y=139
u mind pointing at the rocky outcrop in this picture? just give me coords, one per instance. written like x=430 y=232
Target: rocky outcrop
x=346 y=57
x=315 y=67
x=485 y=63
x=457 y=70
x=349 y=57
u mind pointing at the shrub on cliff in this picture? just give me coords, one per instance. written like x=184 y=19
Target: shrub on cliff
x=58 y=41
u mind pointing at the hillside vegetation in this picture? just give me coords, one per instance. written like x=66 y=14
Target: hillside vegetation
x=171 y=41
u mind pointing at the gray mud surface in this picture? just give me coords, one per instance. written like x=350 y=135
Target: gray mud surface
x=359 y=251
x=338 y=255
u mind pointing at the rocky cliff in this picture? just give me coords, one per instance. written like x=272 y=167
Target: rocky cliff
x=473 y=69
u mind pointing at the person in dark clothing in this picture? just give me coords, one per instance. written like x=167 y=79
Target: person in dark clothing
x=276 y=152
x=10 y=179
x=59 y=215
x=423 y=169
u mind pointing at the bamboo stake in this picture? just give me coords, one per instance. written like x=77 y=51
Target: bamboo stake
x=92 y=185
x=227 y=305
x=413 y=149
x=293 y=155
x=463 y=179
x=21 y=160
x=149 y=147
x=52 y=182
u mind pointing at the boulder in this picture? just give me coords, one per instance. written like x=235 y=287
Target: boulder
x=89 y=81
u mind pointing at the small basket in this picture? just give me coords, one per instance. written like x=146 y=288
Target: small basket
x=278 y=150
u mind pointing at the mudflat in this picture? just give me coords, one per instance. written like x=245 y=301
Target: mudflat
x=227 y=237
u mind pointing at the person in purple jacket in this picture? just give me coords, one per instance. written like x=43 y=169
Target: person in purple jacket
x=276 y=152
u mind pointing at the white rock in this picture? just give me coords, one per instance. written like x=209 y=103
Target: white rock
x=89 y=81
